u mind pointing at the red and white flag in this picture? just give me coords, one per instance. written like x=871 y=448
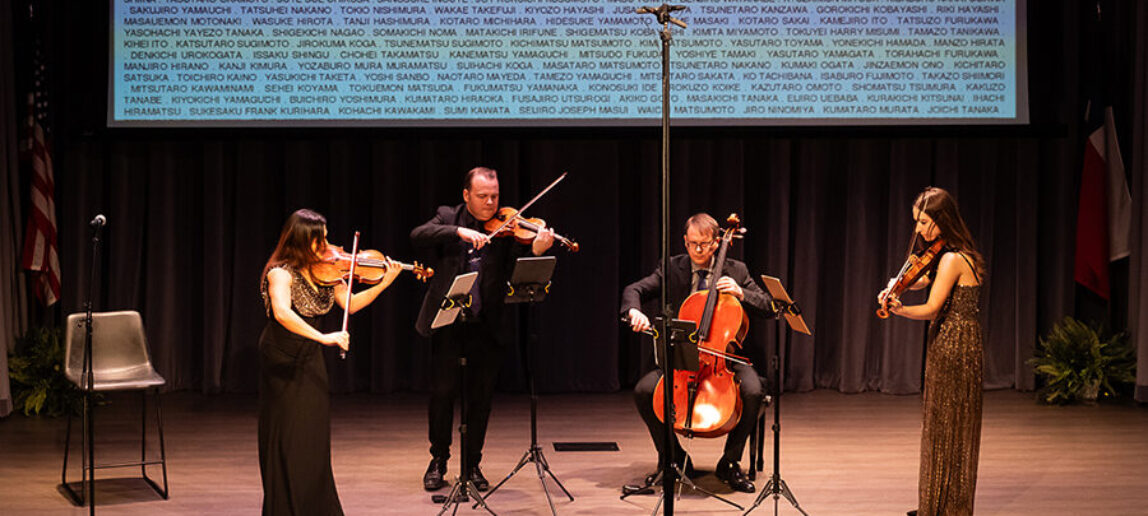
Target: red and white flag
x=1104 y=214
x=1104 y=217
x=40 y=238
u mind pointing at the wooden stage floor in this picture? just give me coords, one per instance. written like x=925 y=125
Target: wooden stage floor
x=841 y=455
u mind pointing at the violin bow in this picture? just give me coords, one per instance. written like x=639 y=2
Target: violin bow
x=350 y=282
x=527 y=205
x=738 y=359
x=908 y=263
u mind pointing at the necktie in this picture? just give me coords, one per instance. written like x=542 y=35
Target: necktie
x=473 y=264
x=702 y=283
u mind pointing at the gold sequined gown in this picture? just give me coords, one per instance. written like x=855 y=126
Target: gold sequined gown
x=295 y=411
x=951 y=434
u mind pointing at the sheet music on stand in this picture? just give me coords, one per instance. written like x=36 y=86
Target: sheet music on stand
x=530 y=281
x=457 y=297
x=685 y=350
x=791 y=311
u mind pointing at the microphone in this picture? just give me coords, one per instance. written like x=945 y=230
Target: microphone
x=99 y=221
x=663 y=13
x=654 y=10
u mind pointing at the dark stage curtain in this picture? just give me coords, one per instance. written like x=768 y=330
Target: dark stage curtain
x=1138 y=288
x=12 y=298
x=191 y=223
x=193 y=215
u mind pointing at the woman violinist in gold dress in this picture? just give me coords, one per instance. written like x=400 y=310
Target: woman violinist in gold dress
x=951 y=432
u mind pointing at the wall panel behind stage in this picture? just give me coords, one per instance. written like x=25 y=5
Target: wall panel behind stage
x=193 y=215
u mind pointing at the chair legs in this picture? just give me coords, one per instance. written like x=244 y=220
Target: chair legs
x=78 y=498
x=756 y=445
x=88 y=467
x=143 y=444
x=757 y=438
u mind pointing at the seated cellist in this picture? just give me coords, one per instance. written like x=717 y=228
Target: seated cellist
x=688 y=274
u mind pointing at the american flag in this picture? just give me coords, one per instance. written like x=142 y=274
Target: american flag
x=40 y=239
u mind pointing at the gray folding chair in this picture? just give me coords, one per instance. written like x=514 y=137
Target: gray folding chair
x=120 y=362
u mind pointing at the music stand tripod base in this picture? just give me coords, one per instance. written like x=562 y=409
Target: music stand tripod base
x=684 y=357
x=530 y=283
x=681 y=479
x=786 y=307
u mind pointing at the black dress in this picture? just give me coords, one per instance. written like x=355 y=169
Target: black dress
x=295 y=411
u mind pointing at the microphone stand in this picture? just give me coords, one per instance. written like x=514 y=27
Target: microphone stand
x=669 y=472
x=88 y=375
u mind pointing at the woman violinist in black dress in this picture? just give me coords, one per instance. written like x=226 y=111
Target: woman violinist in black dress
x=294 y=403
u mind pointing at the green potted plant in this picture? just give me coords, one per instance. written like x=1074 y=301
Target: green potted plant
x=36 y=369
x=1078 y=364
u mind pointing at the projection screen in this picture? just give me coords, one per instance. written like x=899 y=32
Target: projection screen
x=444 y=63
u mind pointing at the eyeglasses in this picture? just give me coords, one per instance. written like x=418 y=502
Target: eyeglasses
x=699 y=246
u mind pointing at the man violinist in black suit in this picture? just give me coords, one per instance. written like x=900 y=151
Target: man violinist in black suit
x=689 y=273
x=457 y=243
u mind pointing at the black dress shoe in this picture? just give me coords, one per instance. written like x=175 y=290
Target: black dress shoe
x=731 y=473
x=479 y=481
x=912 y=512
x=433 y=478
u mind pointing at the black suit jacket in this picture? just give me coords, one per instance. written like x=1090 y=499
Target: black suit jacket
x=756 y=301
x=438 y=239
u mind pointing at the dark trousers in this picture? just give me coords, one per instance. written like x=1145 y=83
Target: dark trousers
x=484 y=357
x=750 y=391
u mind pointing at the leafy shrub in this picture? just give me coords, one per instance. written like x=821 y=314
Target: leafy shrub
x=36 y=368
x=1078 y=364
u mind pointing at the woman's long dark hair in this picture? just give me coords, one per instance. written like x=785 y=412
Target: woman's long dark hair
x=940 y=205
x=302 y=229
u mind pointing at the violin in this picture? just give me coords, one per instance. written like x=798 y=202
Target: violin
x=914 y=268
x=707 y=402
x=508 y=223
x=336 y=265
x=369 y=267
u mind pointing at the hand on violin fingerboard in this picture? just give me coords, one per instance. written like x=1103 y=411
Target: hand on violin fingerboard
x=393 y=269
x=542 y=241
x=883 y=294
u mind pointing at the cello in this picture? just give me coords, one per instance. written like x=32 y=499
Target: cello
x=707 y=402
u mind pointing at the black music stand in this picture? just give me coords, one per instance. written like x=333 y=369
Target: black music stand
x=783 y=306
x=530 y=283
x=684 y=354
x=455 y=307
